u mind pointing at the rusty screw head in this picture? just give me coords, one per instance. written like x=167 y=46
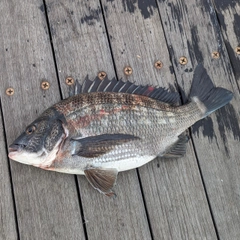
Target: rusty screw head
x=102 y=75
x=10 y=91
x=69 y=81
x=158 y=64
x=128 y=70
x=215 y=54
x=183 y=60
x=237 y=50
x=45 y=85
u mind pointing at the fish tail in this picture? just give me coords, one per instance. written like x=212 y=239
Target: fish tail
x=207 y=97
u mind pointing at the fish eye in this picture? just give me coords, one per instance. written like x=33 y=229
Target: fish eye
x=30 y=129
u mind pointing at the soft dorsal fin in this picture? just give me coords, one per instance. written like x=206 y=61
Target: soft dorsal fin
x=114 y=85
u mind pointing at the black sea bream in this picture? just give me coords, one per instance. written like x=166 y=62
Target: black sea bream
x=111 y=126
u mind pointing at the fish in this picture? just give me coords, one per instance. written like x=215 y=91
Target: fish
x=108 y=126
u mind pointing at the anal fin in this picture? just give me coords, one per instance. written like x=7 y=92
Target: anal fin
x=102 y=179
x=178 y=149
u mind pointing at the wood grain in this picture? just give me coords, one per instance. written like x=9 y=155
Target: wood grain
x=173 y=190
x=228 y=13
x=194 y=32
x=47 y=202
x=8 y=229
x=81 y=49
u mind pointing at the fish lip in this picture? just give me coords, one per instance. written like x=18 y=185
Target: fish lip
x=12 y=155
x=11 y=149
x=15 y=147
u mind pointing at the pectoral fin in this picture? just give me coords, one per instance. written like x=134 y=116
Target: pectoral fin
x=178 y=149
x=96 y=146
x=102 y=179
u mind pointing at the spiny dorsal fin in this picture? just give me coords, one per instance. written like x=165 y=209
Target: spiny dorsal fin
x=102 y=179
x=114 y=85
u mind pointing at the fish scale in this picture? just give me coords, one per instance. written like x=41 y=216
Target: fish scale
x=137 y=120
x=134 y=122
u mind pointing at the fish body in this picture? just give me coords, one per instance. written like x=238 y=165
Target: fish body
x=109 y=127
x=144 y=128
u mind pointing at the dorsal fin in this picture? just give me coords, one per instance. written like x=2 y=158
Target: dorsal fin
x=114 y=85
x=126 y=86
x=118 y=86
x=95 y=85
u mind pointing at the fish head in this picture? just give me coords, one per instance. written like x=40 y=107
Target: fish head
x=39 y=144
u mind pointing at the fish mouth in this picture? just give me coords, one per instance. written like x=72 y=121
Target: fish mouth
x=14 y=149
x=12 y=155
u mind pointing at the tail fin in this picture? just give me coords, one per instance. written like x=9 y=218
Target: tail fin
x=208 y=97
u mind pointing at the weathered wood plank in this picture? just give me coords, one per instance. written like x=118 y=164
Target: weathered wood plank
x=175 y=198
x=228 y=13
x=192 y=30
x=8 y=229
x=47 y=203
x=82 y=49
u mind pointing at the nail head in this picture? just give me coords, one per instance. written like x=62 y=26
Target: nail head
x=237 y=50
x=158 y=64
x=183 y=60
x=10 y=91
x=215 y=54
x=69 y=81
x=102 y=75
x=45 y=85
x=128 y=71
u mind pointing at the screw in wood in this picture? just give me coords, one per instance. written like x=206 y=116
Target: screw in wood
x=69 y=81
x=102 y=75
x=10 y=91
x=45 y=85
x=128 y=70
x=183 y=60
x=215 y=54
x=237 y=50
x=158 y=64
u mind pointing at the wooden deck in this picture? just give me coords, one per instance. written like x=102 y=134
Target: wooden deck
x=195 y=197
